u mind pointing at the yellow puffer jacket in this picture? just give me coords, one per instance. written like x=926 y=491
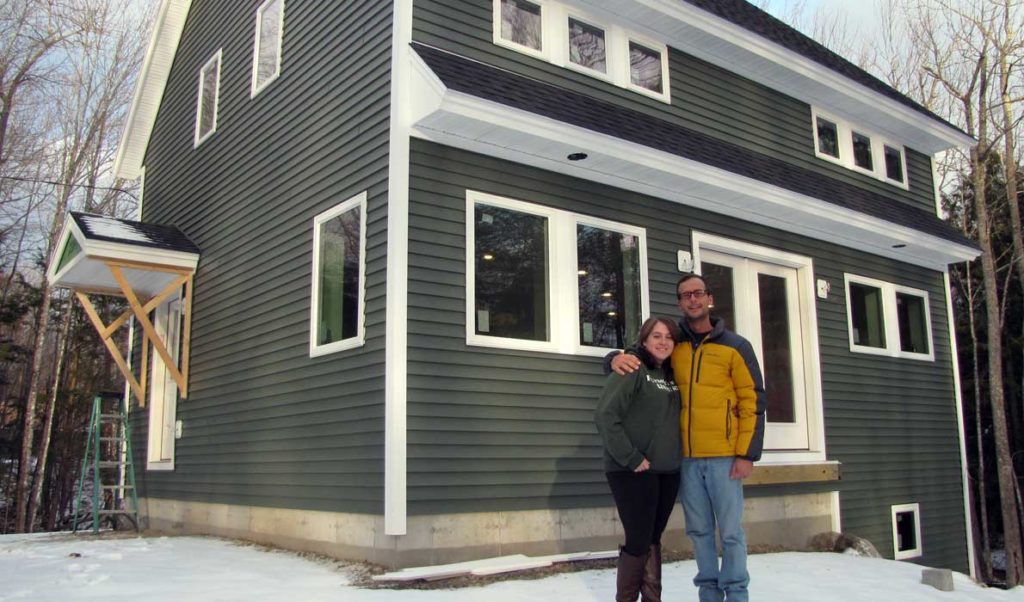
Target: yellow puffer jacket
x=723 y=394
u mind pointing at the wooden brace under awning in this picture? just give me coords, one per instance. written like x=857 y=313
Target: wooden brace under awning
x=141 y=309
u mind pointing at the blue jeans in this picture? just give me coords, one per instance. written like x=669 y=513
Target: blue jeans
x=710 y=497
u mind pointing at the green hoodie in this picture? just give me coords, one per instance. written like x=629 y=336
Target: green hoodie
x=637 y=416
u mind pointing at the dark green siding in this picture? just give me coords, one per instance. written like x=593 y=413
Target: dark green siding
x=493 y=429
x=265 y=424
x=704 y=97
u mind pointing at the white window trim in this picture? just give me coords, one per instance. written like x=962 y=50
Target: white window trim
x=199 y=139
x=914 y=552
x=844 y=133
x=359 y=339
x=555 y=46
x=891 y=318
x=808 y=333
x=563 y=278
x=256 y=87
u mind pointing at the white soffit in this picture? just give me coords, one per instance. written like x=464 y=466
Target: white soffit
x=149 y=89
x=720 y=42
x=489 y=128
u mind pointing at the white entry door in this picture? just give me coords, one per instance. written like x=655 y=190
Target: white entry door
x=762 y=302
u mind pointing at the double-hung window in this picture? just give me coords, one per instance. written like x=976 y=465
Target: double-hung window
x=542 y=279
x=266 y=61
x=887 y=319
x=565 y=36
x=859 y=149
x=339 y=277
x=209 y=95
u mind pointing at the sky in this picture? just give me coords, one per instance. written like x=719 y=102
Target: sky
x=55 y=567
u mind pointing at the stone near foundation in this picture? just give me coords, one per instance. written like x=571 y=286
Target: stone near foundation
x=940 y=579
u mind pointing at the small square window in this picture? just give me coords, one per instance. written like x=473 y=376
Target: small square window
x=587 y=46
x=906 y=531
x=610 y=301
x=645 y=67
x=828 y=138
x=912 y=319
x=521 y=23
x=862 y=152
x=867 y=315
x=267 y=53
x=339 y=243
x=206 y=104
x=511 y=273
x=893 y=164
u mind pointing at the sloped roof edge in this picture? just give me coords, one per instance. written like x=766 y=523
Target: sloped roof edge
x=149 y=89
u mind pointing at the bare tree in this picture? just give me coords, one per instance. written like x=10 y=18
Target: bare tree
x=96 y=89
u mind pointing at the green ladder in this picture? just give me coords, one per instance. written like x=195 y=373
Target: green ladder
x=108 y=466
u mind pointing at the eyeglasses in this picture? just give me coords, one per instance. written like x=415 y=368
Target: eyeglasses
x=695 y=294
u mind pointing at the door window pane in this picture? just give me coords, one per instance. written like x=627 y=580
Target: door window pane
x=828 y=138
x=719 y=280
x=645 y=67
x=866 y=314
x=893 y=164
x=911 y=316
x=586 y=46
x=339 y=277
x=609 y=287
x=862 y=152
x=511 y=263
x=521 y=23
x=776 y=348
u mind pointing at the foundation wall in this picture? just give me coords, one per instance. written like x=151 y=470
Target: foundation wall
x=787 y=521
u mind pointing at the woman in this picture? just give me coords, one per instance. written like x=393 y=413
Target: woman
x=638 y=419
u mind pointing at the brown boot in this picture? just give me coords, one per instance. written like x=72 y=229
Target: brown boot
x=650 y=589
x=629 y=576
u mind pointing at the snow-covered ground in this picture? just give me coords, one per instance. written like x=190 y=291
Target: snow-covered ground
x=48 y=567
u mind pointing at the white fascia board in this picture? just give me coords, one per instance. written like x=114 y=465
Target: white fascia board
x=720 y=42
x=469 y=122
x=149 y=88
x=136 y=253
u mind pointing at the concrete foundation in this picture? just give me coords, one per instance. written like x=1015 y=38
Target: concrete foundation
x=787 y=521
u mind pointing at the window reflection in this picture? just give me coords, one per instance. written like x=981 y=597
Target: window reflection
x=719 y=280
x=776 y=348
x=866 y=314
x=521 y=23
x=609 y=286
x=645 y=67
x=511 y=261
x=586 y=46
x=862 y=152
x=339 y=278
x=911 y=316
x=828 y=138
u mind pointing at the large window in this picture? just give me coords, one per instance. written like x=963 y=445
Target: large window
x=767 y=296
x=266 y=61
x=549 y=280
x=209 y=95
x=887 y=319
x=565 y=36
x=856 y=148
x=339 y=266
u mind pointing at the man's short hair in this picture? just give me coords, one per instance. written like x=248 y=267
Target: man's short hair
x=691 y=276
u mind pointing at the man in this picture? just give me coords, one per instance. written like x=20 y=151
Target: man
x=722 y=423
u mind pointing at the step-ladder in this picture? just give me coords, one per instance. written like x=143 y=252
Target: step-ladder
x=107 y=481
